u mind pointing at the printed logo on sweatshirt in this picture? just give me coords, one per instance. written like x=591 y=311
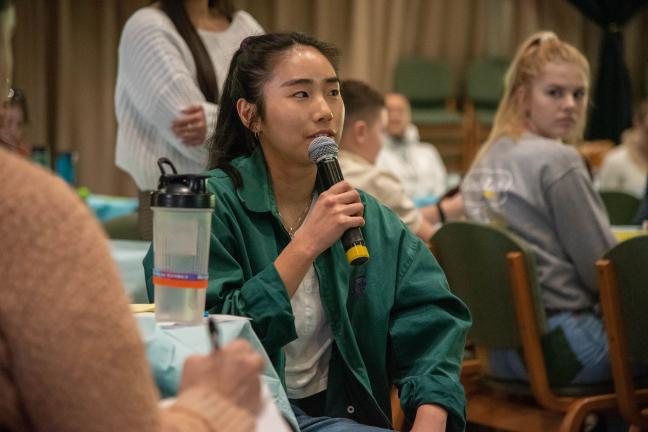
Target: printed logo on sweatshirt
x=485 y=191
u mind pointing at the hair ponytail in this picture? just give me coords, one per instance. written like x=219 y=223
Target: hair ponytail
x=175 y=10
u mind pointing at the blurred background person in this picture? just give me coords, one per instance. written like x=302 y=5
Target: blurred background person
x=173 y=59
x=365 y=121
x=418 y=164
x=625 y=167
x=361 y=142
x=12 y=122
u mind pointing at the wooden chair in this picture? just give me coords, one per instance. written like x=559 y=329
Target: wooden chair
x=494 y=273
x=621 y=207
x=594 y=152
x=623 y=279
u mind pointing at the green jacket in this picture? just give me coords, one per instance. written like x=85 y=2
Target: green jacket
x=393 y=319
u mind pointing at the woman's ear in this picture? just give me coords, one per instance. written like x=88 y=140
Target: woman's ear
x=247 y=114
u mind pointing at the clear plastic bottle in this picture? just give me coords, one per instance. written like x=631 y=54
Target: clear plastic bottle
x=182 y=210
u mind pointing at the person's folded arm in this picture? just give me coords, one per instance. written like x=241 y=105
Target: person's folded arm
x=154 y=72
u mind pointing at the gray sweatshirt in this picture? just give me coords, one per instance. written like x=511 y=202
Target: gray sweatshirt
x=540 y=190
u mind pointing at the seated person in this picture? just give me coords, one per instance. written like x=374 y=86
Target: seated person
x=78 y=362
x=339 y=335
x=417 y=164
x=71 y=356
x=364 y=122
x=527 y=180
x=625 y=167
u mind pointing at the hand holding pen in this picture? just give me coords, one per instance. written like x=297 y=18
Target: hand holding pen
x=233 y=370
x=214 y=335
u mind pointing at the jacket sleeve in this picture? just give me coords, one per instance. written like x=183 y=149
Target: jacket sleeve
x=154 y=71
x=235 y=289
x=428 y=331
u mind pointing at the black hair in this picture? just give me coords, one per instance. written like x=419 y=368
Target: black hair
x=249 y=70
x=360 y=101
x=175 y=10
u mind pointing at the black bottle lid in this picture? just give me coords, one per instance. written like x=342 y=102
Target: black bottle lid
x=181 y=190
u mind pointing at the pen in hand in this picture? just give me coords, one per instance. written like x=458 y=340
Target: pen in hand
x=213 y=333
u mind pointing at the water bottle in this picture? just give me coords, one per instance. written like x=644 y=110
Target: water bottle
x=182 y=210
x=65 y=166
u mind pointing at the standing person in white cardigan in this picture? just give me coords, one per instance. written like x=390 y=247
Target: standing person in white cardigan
x=173 y=59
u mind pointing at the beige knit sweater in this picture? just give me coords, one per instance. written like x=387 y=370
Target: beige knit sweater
x=70 y=354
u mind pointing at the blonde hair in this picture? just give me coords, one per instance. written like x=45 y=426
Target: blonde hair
x=532 y=56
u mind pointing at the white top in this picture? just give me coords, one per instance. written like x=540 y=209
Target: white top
x=620 y=172
x=308 y=356
x=156 y=79
x=417 y=164
x=383 y=185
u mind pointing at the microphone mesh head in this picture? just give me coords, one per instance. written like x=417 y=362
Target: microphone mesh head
x=322 y=147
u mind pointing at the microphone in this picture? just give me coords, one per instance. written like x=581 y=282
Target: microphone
x=323 y=151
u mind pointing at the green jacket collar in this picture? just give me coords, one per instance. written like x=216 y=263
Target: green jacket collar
x=256 y=194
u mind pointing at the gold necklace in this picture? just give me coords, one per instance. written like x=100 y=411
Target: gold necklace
x=295 y=226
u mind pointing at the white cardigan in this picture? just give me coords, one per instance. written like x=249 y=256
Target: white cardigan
x=156 y=79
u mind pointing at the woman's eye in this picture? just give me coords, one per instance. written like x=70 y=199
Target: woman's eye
x=554 y=93
x=579 y=94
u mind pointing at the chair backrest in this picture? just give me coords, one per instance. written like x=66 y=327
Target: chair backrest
x=485 y=82
x=630 y=262
x=427 y=82
x=623 y=280
x=621 y=207
x=474 y=259
x=123 y=227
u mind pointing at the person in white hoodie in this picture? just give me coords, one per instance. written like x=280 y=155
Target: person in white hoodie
x=418 y=164
x=173 y=59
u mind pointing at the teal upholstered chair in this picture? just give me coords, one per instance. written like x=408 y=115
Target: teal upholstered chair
x=623 y=279
x=484 y=87
x=430 y=87
x=493 y=271
x=123 y=227
x=621 y=207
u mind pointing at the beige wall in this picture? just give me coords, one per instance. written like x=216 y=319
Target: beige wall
x=65 y=53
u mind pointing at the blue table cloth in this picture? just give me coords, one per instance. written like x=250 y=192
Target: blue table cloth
x=107 y=207
x=167 y=347
x=128 y=255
